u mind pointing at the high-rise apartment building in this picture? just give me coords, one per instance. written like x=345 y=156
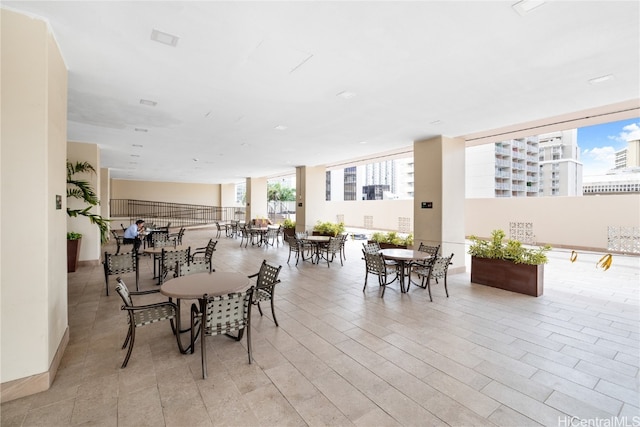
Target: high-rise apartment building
x=544 y=165
x=560 y=167
x=504 y=169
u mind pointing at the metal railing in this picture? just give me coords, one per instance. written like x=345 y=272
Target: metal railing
x=178 y=214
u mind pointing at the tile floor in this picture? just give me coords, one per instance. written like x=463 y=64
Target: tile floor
x=344 y=357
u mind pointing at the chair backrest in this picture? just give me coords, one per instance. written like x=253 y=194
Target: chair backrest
x=211 y=247
x=115 y=235
x=181 y=233
x=226 y=313
x=371 y=248
x=440 y=267
x=170 y=258
x=268 y=275
x=218 y=227
x=294 y=244
x=161 y=240
x=272 y=232
x=334 y=244
x=123 y=291
x=301 y=234
x=431 y=250
x=120 y=263
x=374 y=263
x=193 y=268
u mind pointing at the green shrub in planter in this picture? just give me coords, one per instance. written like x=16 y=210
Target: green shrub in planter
x=393 y=238
x=512 y=250
x=328 y=228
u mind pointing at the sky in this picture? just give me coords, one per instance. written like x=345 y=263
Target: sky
x=599 y=143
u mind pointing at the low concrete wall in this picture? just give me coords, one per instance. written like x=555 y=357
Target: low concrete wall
x=570 y=222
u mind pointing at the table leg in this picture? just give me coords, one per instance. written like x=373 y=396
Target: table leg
x=190 y=347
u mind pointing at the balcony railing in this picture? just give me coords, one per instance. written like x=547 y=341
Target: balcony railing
x=178 y=214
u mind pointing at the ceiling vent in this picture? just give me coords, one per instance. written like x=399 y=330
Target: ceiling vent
x=164 y=38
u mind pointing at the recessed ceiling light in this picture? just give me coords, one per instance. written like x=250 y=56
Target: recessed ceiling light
x=280 y=127
x=346 y=94
x=149 y=103
x=195 y=159
x=135 y=155
x=137 y=145
x=436 y=122
x=164 y=38
x=363 y=142
x=601 y=79
x=141 y=130
x=525 y=6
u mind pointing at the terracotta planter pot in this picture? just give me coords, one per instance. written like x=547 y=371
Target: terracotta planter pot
x=498 y=273
x=73 y=253
x=389 y=245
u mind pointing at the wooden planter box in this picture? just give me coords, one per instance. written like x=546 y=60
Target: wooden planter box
x=498 y=273
x=289 y=231
x=73 y=252
x=388 y=245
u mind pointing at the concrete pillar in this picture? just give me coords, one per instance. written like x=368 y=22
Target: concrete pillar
x=439 y=196
x=310 y=197
x=33 y=277
x=257 y=205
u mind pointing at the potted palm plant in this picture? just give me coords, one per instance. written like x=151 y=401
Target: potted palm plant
x=508 y=265
x=82 y=190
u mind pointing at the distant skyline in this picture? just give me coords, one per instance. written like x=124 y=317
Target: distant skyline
x=599 y=143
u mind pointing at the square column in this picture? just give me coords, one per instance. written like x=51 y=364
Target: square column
x=257 y=205
x=439 y=196
x=310 y=196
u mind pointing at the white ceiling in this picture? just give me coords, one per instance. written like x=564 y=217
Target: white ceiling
x=240 y=69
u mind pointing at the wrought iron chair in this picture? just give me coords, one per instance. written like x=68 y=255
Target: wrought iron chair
x=294 y=248
x=220 y=228
x=204 y=254
x=221 y=315
x=192 y=268
x=343 y=241
x=330 y=250
x=421 y=268
x=168 y=260
x=160 y=240
x=176 y=237
x=141 y=315
x=375 y=264
x=371 y=248
x=117 y=264
x=119 y=240
x=245 y=235
x=437 y=270
x=271 y=236
x=267 y=279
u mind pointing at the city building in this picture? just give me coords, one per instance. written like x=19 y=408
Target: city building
x=543 y=165
x=624 y=178
x=560 y=170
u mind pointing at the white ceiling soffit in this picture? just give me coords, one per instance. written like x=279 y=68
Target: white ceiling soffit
x=256 y=88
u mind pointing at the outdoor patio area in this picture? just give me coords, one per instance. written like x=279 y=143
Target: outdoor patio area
x=481 y=357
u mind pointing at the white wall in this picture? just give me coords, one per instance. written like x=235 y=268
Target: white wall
x=172 y=192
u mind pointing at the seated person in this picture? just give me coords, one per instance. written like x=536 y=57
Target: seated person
x=132 y=234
